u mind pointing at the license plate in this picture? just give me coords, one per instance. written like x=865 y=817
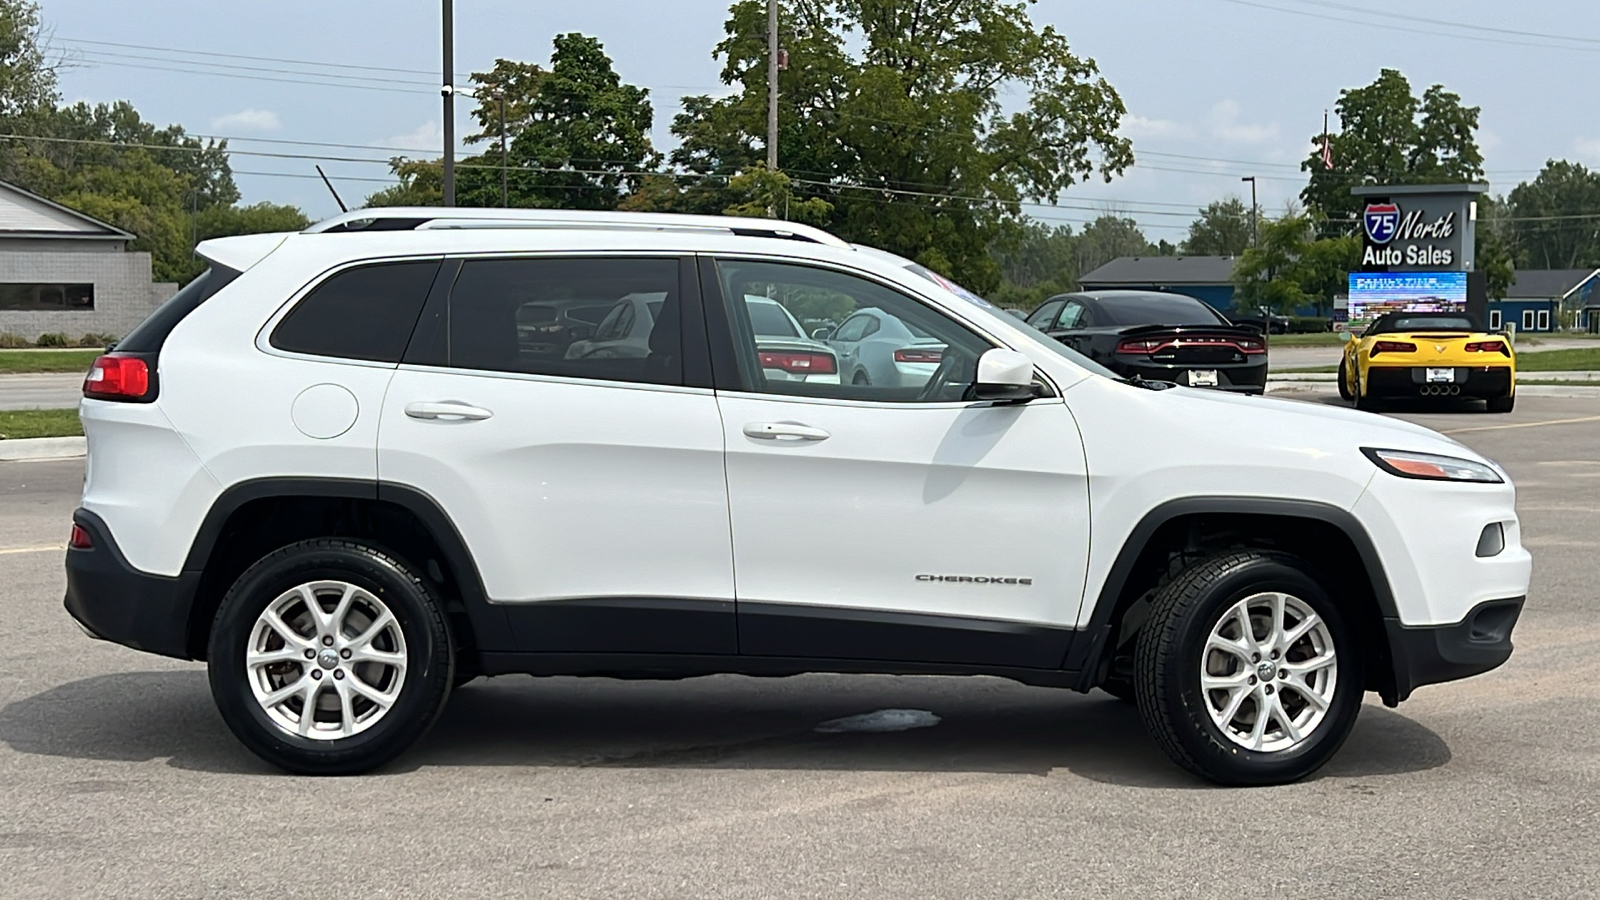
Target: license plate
x=1204 y=377
x=1444 y=375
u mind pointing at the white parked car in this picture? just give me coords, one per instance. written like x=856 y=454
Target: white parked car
x=784 y=351
x=353 y=467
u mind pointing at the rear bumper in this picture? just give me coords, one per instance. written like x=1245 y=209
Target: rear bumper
x=1477 y=382
x=113 y=601
x=1251 y=378
x=1436 y=653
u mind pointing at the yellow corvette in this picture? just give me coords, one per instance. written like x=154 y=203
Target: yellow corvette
x=1422 y=355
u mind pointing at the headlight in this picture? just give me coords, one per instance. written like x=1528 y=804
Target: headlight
x=1431 y=467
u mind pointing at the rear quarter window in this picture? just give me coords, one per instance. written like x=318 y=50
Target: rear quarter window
x=367 y=312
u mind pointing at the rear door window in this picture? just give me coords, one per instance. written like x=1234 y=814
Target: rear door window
x=608 y=319
x=367 y=312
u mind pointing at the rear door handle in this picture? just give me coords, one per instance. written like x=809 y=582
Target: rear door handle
x=784 y=431
x=448 y=409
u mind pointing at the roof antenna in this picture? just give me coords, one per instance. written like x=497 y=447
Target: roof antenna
x=342 y=207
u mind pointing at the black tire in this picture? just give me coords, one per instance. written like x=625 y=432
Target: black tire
x=418 y=613
x=1344 y=382
x=1169 y=656
x=1502 y=404
x=1362 y=400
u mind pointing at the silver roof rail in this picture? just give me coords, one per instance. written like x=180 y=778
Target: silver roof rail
x=419 y=218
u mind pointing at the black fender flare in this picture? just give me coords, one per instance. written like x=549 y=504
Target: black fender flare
x=488 y=621
x=1084 y=656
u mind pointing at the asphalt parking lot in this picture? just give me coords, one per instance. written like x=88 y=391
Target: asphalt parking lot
x=118 y=779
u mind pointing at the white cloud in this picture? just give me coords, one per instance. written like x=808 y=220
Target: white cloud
x=248 y=120
x=425 y=138
x=1141 y=127
x=1225 y=125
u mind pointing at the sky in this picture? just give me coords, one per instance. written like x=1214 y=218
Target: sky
x=1215 y=89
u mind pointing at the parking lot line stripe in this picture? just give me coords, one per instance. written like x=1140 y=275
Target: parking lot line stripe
x=1522 y=425
x=6 y=551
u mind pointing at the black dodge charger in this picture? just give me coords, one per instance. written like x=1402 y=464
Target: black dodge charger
x=1157 y=337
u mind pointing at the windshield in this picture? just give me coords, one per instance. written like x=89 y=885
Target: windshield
x=1423 y=323
x=1158 y=309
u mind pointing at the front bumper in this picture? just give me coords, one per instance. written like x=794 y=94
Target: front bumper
x=113 y=601
x=1476 y=382
x=1432 y=654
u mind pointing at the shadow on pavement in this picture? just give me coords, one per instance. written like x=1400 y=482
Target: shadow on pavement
x=987 y=725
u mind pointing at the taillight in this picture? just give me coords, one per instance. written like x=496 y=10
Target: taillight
x=799 y=363
x=117 y=377
x=80 y=539
x=1488 y=347
x=1136 y=346
x=1393 y=347
x=1247 y=345
x=910 y=355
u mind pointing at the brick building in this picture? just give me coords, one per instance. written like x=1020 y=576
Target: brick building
x=62 y=271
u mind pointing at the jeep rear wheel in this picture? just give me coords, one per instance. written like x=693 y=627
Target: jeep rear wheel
x=1247 y=673
x=329 y=657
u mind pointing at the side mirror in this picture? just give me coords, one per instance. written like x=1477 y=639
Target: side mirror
x=1004 y=376
x=1346 y=337
x=822 y=334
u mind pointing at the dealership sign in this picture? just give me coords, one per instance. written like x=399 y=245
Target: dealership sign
x=1417 y=228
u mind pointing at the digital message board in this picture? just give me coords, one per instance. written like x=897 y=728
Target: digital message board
x=1374 y=293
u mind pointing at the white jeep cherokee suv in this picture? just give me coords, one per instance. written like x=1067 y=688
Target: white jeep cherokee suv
x=354 y=467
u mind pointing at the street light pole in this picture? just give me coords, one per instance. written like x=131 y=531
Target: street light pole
x=449 y=92
x=772 y=85
x=1255 y=239
x=1252 y=180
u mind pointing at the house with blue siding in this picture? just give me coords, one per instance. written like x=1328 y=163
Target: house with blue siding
x=1206 y=278
x=1545 y=299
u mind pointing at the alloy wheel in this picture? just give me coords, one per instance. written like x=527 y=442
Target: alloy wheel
x=1268 y=672
x=326 y=660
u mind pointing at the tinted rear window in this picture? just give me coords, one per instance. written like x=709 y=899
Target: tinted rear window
x=362 y=313
x=1158 y=309
x=768 y=319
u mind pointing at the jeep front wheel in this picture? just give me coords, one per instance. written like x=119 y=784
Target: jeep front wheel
x=329 y=657
x=1247 y=673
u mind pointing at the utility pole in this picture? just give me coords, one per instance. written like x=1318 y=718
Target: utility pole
x=449 y=92
x=772 y=85
x=505 y=192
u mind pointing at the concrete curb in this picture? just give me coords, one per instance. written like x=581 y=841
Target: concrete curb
x=25 y=449
x=1523 y=390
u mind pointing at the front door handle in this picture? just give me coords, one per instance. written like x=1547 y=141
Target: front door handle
x=448 y=409
x=784 y=431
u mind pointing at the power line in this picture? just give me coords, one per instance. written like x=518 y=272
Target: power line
x=1391 y=26
x=1389 y=14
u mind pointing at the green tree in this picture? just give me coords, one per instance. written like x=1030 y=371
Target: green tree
x=259 y=218
x=1223 y=229
x=579 y=138
x=1551 y=223
x=1387 y=136
x=27 y=80
x=892 y=111
x=1494 y=245
x=1110 y=237
x=769 y=193
x=1036 y=262
x=1291 y=268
